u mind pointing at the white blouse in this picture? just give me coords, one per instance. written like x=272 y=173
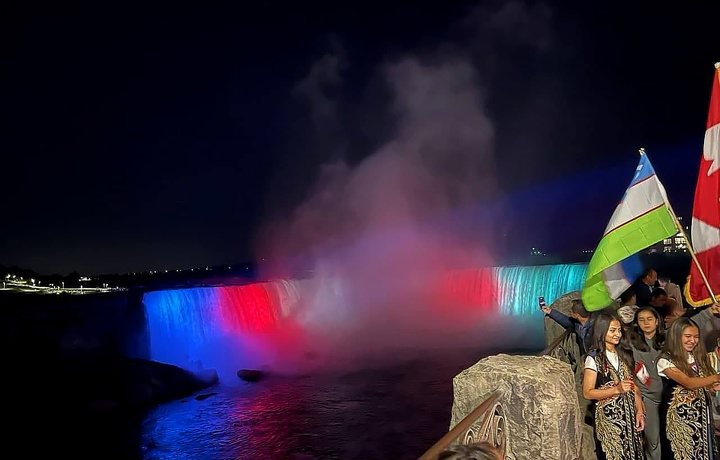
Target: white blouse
x=612 y=359
x=663 y=364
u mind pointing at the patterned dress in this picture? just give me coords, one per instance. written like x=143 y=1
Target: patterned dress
x=689 y=421
x=615 y=433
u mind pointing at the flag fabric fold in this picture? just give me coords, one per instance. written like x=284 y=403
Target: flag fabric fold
x=642 y=219
x=705 y=230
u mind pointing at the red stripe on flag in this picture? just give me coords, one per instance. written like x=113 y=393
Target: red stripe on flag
x=707 y=209
x=714 y=114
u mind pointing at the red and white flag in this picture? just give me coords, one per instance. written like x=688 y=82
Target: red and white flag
x=705 y=231
x=642 y=373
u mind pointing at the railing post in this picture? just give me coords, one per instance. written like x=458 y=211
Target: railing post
x=485 y=423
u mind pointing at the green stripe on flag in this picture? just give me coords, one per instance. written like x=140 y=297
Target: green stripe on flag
x=620 y=243
x=632 y=238
x=595 y=295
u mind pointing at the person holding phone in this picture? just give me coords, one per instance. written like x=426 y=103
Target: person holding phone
x=579 y=321
x=609 y=380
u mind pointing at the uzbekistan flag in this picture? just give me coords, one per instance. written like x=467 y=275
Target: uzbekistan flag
x=642 y=218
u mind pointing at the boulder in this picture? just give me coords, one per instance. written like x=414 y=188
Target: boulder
x=588 y=443
x=250 y=375
x=117 y=381
x=563 y=303
x=539 y=400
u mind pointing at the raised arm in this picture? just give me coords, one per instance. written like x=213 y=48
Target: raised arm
x=558 y=317
x=690 y=383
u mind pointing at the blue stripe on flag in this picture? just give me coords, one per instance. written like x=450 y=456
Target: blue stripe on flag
x=643 y=171
x=633 y=267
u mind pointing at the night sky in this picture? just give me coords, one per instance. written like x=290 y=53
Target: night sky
x=140 y=137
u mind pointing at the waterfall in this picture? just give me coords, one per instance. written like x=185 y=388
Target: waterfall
x=200 y=326
x=190 y=327
x=520 y=287
x=513 y=291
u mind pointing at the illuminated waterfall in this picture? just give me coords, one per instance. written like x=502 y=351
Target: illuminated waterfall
x=513 y=290
x=193 y=325
x=187 y=326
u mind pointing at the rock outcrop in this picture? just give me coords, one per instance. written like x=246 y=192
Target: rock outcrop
x=563 y=304
x=539 y=401
x=250 y=375
x=131 y=383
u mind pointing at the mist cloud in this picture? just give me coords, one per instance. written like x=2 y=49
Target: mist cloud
x=381 y=233
x=320 y=86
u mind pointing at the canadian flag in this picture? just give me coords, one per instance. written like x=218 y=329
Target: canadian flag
x=705 y=231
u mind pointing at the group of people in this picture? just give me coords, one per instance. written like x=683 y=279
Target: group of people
x=648 y=373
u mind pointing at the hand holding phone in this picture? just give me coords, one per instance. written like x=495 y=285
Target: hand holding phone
x=543 y=305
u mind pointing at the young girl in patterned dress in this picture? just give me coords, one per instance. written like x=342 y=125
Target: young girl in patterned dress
x=609 y=380
x=687 y=379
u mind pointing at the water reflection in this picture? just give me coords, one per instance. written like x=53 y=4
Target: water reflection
x=391 y=412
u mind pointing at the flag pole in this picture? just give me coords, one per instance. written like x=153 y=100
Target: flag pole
x=678 y=225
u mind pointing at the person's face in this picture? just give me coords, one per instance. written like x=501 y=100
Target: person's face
x=614 y=333
x=647 y=322
x=658 y=301
x=651 y=278
x=690 y=338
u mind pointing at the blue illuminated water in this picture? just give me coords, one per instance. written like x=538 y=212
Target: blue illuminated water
x=226 y=328
x=521 y=286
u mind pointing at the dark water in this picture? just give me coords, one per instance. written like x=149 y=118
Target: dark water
x=386 y=411
x=390 y=412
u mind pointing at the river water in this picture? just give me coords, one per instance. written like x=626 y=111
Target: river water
x=393 y=410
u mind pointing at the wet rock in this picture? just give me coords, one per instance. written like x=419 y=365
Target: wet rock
x=203 y=397
x=250 y=375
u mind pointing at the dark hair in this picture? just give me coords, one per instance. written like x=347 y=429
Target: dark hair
x=647 y=272
x=627 y=295
x=637 y=336
x=479 y=451
x=657 y=292
x=599 y=331
x=673 y=349
x=579 y=308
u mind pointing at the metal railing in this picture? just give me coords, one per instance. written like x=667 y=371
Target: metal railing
x=557 y=343
x=484 y=424
x=567 y=349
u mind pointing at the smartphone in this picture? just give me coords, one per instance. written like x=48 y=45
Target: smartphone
x=541 y=301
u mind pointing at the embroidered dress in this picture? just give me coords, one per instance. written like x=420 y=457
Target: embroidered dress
x=615 y=433
x=689 y=422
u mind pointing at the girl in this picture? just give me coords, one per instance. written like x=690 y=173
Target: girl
x=608 y=379
x=687 y=375
x=646 y=339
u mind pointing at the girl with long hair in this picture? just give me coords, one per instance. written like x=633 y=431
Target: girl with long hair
x=609 y=379
x=647 y=337
x=687 y=376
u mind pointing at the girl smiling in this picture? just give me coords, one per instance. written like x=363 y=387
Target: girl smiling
x=609 y=380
